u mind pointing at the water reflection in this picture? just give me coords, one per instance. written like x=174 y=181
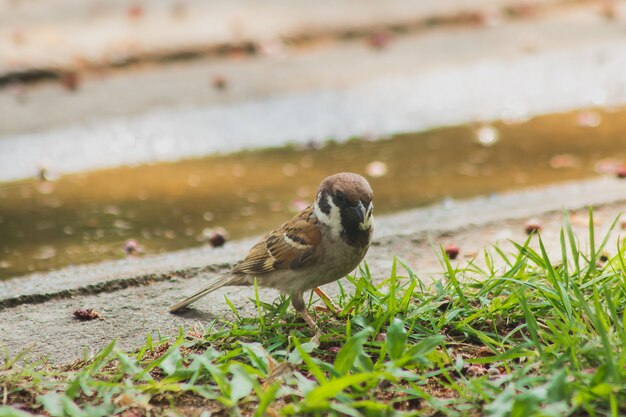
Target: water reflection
x=46 y=223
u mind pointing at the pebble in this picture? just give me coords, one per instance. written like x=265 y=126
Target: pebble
x=532 y=226
x=86 y=314
x=452 y=251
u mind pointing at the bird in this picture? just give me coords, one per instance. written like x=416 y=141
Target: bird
x=321 y=244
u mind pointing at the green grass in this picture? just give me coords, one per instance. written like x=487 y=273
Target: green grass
x=521 y=336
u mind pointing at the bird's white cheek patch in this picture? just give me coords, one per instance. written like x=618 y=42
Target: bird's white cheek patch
x=332 y=219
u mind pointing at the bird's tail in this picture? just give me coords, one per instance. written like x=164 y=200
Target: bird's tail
x=217 y=283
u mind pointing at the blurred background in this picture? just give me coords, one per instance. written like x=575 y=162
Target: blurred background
x=129 y=128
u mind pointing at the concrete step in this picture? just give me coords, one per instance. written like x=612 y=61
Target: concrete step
x=71 y=34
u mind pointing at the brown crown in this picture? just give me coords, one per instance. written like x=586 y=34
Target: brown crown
x=353 y=186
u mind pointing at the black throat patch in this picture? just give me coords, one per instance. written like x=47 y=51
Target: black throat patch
x=351 y=233
x=356 y=238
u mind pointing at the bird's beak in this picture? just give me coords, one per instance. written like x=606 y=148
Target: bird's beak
x=360 y=212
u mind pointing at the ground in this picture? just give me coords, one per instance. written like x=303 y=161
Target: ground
x=513 y=332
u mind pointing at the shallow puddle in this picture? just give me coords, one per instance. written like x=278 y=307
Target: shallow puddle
x=89 y=217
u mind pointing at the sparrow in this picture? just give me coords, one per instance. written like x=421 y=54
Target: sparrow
x=321 y=244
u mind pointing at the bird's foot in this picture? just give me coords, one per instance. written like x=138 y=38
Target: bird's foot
x=316 y=338
x=309 y=320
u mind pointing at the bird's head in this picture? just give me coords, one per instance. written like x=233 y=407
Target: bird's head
x=344 y=203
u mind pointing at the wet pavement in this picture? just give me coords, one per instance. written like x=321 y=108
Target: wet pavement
x=83 y=218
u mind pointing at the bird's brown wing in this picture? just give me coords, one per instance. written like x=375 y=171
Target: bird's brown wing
x=293 y=245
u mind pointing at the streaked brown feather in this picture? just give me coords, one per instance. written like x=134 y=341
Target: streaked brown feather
x=273 y=252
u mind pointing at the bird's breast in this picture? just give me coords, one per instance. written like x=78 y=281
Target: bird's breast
x=338 y=258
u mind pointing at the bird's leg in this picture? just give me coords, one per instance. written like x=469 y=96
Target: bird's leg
x=297 y=300
x=328 y=301
x=309 y=320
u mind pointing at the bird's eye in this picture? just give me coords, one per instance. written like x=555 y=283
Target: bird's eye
x=339 y=195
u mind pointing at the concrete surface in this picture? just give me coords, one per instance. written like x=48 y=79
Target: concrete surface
x=134 y=295
x=573 y=59
x=331 y=66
